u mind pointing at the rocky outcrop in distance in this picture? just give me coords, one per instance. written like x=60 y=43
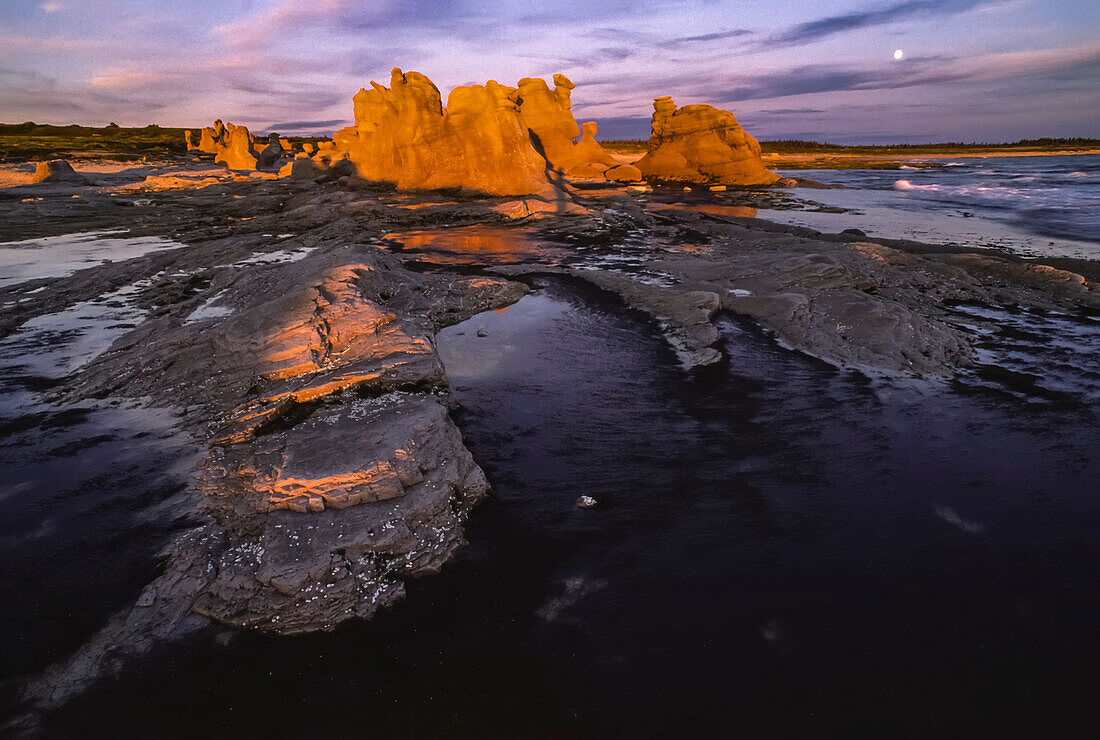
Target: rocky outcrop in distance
x=700 y=144
x=499 y=141
x=57 y=170
x=318 y=161
x=232 y=146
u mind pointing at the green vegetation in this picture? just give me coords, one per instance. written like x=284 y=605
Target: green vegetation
x=626 y=146
x=22 y=141
x=26 y=141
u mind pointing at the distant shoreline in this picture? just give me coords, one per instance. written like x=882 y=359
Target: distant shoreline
x=854 y=161
x=815 y=156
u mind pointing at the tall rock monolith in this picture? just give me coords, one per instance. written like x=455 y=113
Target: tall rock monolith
x=700 y=144
x=404 y=136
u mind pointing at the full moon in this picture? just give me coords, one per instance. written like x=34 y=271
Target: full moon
x=898 y=54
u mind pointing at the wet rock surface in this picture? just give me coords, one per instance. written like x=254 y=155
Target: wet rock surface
x=296 y=341
x=333 y=471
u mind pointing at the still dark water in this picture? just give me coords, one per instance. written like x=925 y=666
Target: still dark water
x=778 y=548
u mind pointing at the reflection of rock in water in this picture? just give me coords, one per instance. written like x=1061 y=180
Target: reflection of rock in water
x=472 y=244
x=712 y=208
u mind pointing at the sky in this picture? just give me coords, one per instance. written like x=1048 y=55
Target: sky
x=970 y=70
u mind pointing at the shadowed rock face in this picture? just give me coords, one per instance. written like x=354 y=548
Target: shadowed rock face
x=701 y=144
x=270 y=154
x=403 y=135
x=58 y=170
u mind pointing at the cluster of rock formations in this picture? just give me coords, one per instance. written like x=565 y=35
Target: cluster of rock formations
x=499 y=140
x=237 y=148
x=318 y=161
x=700 y=144
x=489 y=138
x=403 y=135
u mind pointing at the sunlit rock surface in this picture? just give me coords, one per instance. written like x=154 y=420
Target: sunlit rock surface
x=490 y=139
x=403 y=135
x=270 y=154
x=700 y=144
x=548 y=115
x=232 y=146
x=238 y=152
x=623 y=173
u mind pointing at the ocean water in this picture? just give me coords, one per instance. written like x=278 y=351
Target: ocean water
x=1031 y=206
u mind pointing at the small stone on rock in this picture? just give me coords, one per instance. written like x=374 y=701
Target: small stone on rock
x=586 y=502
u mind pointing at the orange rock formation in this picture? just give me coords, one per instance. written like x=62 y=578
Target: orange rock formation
x=548 y=116
x=703 y=145
x=232 y=146
x=403 y=135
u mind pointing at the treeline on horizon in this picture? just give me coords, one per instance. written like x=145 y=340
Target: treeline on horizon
x=29 y=140
x=802 y=146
